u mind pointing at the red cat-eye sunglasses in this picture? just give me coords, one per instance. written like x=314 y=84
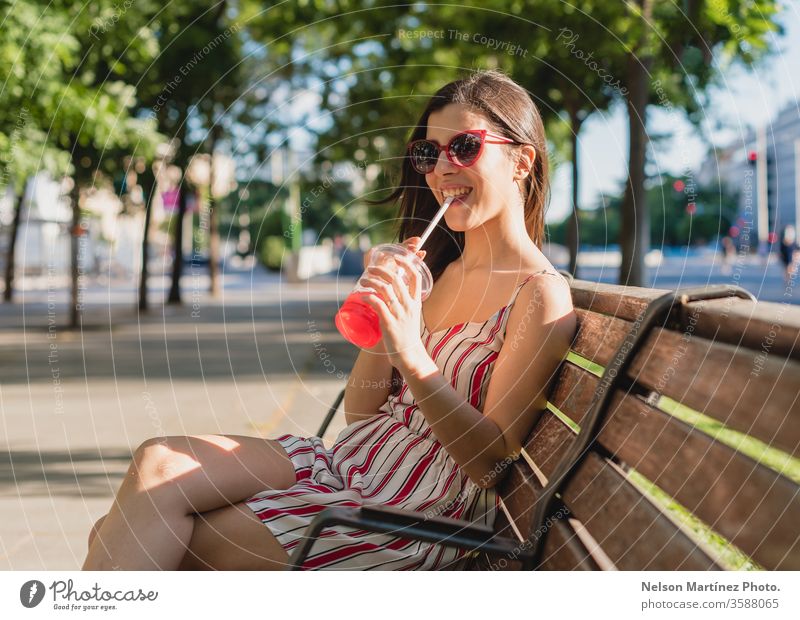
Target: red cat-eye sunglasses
x=463 y=149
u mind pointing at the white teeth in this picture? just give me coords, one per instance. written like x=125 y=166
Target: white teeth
x=463 y=191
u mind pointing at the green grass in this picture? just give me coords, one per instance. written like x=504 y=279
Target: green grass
x=582 y=362
x=564 y=418
x=725 y=552
x=775 y=459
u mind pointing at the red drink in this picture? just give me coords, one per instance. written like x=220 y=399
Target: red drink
x=358 y=322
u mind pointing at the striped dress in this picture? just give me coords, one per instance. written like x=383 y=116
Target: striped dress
x=391 y=459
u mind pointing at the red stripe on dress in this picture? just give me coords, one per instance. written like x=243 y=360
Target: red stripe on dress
x=479 y=371
x=416 y=474
x=393 y=468
x=374 y=449
x=407 y=414
x=357 y=446
x=423 y=506
x=268 y=514
x=475 y=345
x=452 y=332
x=476 y=385
x=300 y=450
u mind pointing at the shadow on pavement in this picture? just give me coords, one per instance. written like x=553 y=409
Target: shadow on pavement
x=80 y=473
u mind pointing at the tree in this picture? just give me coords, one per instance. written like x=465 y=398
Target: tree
x=576 y=83
x=188 y=90
x=655 y=52
x=376 y=84
x=80 y=105
x=668 y=52
x=25 y=146
x=85 y=103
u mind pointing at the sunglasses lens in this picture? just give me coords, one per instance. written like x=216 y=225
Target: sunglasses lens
x=465 y=148
x=423 y=156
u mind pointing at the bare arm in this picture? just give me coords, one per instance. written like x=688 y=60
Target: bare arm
x=369 y=384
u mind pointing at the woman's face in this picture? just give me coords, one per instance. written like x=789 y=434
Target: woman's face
x=489 y=182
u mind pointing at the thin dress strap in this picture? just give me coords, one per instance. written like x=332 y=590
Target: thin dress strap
x=521 y=284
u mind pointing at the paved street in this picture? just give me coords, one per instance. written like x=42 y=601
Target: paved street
x=261 y=360
x=763 y=278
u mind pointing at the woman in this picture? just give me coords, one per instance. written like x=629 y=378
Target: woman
x=436 y=410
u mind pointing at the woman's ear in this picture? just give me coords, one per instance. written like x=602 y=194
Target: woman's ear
x=526 y=156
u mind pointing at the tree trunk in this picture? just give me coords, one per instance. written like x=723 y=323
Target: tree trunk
x=573 y=235
x=76 y=232
x=149 y=188
x=8 y=294
x=213 y=246
x=213 y=222
x=177 y=243
x=635 y=225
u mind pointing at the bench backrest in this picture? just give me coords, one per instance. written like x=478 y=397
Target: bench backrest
x=696 y=464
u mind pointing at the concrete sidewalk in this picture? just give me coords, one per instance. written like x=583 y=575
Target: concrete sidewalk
x=262 y=360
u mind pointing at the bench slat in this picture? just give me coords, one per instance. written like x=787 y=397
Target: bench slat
x=632 y=531
x=564 y=551
x=754 y=507
x=733 y=320
x=599 y=336
x=656 y=541
x=624 y=302
x=699 y=373
x=760 y=325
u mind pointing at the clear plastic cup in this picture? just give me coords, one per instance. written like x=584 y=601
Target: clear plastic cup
x=357 y=321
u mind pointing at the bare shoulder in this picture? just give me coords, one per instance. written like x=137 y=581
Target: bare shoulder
x=546 y=295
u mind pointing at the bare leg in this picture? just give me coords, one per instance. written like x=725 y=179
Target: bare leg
x=151 y=521
x=233 y=538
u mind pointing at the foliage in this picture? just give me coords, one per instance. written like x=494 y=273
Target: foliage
x=271 y=252
x=680 y=215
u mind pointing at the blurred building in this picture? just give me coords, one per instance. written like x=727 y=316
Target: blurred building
x=763 y=167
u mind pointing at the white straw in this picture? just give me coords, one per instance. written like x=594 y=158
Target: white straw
x=435 y=221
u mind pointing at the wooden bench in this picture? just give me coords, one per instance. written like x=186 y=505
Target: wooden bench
x=670 y=442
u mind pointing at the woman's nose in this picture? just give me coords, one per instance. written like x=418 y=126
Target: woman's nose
x=442 y=164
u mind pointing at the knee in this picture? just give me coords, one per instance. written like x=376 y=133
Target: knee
x=95 y=529
x=160 y=459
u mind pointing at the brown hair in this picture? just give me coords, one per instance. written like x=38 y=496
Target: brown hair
x=512 y=113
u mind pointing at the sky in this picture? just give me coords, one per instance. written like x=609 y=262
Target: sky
x=744 y=99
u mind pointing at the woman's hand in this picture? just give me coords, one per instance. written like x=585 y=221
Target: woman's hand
x=399 y=307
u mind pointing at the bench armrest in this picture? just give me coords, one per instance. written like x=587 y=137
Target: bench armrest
x=412 y=526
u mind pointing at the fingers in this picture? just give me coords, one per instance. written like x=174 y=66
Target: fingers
x=378 y=305
x=367 y=254
x=382 y=283
x=396 y=284
x=412 y=243
x=412 y=291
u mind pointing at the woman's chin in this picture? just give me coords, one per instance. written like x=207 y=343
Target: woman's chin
x=459 y=223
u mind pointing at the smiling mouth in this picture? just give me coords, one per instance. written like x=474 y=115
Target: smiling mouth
x=459 y=194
